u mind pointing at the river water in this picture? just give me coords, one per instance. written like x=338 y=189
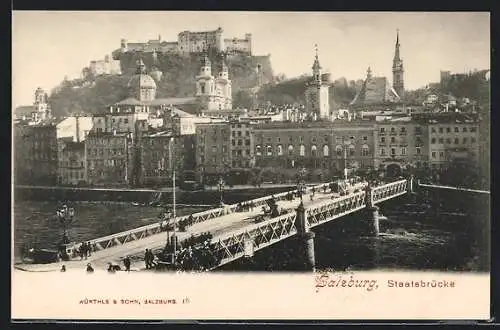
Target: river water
x=406 y=242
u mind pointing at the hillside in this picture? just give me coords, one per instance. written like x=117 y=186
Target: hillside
x=91 y=94
x=292 y=91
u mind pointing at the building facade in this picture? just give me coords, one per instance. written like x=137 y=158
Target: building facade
x=213 y=151
x=36 y=154
x=71 y=169
x=321 y=148
x=453 y=139
x=110 y=158
x=400 y=144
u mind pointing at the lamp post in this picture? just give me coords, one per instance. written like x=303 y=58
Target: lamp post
x=221 y=190
x=301 y=183
x=65 y=215
x=174 y=231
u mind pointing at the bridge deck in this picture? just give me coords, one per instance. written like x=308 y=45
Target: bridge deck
x=217 y=227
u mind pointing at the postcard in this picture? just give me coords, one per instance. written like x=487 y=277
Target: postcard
x=251 y=165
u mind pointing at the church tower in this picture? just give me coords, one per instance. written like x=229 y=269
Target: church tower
x=205 y=85
x=142 y=86
x=317 y=93
x=42 y=109
x=398 y=71
x=223 y=88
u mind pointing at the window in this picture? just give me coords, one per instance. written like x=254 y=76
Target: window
x=382 y=152
x=472 y=129
x=456 y=141
x=433 y=130
x=403 y=129
x=125 y=120
x=202 y=88
x=352 y=150
x=269 y=150
x=419 y=152
x=464 y=130
x=448 y=130
x=302 y=150
x=433 y=141
x=403 y=151
x=440 y=130
x=290 y=150
x=301 y=138
x=365 y=138
x=258 y=151
x=464 y=140
x=393 y=130
x=448 y=141
x=382 y=139
x=313 y=150
x=393 y=140
x=456 y=130
x=338 y=151
x=473 y=140
x=441 y=154
x=441 y=140
x=280 y=150
x=393 y=151
x=364 y=150
x=433 y=154
x=325 y=151
x=382 y=130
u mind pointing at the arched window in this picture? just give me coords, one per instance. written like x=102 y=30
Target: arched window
x=313 y=150
x=202 y=88
x=302 y=151
x=280 y=150
x=326 y=151
x=258 y=151
x=269 y=150
x=338 y=151
x=365 y=150
x=352 y=150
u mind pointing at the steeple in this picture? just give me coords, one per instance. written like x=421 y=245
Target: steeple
x=397 y=58
x=316 y=66
x=398 y=70
x=206 y=65
x=141 y=67
x=368 y=73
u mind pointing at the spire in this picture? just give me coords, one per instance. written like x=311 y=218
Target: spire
x=316 y=65
x=397 y=58
x=141 y=67
x=368 y=73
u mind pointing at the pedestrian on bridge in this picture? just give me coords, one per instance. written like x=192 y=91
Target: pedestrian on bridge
x=89 y=268
x=126 y=263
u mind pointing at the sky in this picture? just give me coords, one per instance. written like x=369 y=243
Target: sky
x=47 y=46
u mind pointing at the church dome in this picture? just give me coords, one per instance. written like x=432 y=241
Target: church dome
x=141 y=80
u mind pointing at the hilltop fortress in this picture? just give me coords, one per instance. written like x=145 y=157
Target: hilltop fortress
x=190 y=42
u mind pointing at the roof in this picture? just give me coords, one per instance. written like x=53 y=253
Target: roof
x=180 y=113
x=314 y=124
x=173 y=101
x=375 y=90
x=142 y=81
x=129 y=101
x=24 y=110
x=74 y=146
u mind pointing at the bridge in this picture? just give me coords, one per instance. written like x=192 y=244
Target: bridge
x=236 y=232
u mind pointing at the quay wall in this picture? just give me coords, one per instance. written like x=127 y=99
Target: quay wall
x=205 y=197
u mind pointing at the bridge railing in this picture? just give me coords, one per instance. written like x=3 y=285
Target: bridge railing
x=388 y=191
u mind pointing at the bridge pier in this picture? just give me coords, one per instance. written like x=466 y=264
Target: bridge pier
x=307 y=239
x=374 y=220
